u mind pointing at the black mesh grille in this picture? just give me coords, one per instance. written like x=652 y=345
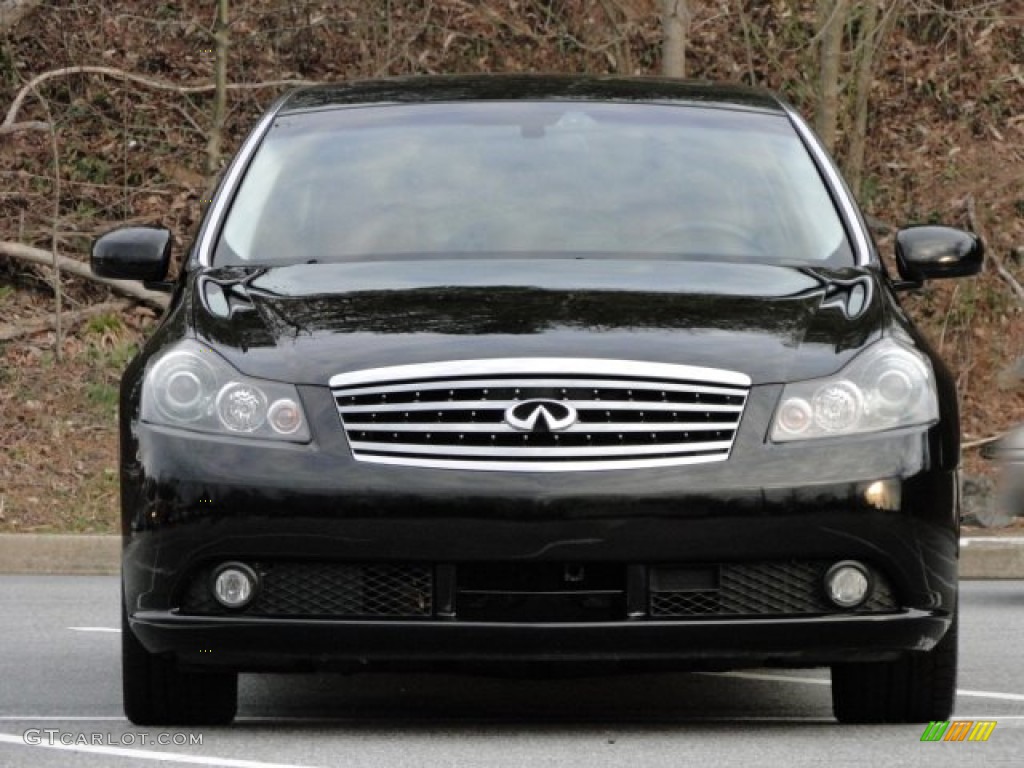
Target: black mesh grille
x=405 y=591
x=327 y=589
x=752 y=589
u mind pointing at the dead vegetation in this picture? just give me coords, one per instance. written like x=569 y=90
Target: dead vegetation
x=120 y=111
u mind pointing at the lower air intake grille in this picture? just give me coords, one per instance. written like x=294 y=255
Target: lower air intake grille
x=751 y=589
x=327 y=589
x=541 y=414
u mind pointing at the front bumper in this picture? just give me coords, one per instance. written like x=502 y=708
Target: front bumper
x=190 y=502
x=278 y=644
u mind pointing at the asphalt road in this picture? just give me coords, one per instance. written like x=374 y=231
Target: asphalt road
x=60 y=678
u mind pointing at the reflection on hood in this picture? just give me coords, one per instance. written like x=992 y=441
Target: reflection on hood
x=767 y=311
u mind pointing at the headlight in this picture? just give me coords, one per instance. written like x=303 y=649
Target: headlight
x=192 y=387
x=887 y=386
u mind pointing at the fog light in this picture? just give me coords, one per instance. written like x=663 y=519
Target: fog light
x=848 y=584
x=884 y=494
x=234 y=585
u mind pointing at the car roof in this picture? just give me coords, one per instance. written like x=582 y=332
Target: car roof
x=448 y=88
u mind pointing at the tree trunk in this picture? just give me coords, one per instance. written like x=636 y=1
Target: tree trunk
x=869 y=43
x=831 y=21
x=58 y=296
x=675 y=24
x=222 y=40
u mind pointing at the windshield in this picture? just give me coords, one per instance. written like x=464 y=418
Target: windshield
x=545 y=179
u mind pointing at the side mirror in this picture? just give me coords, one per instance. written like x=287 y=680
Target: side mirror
x=926 y=253
x=132 y=253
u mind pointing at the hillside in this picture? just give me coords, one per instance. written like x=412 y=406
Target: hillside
x=945 y=138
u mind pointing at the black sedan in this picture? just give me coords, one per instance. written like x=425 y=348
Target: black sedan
x=537 y=372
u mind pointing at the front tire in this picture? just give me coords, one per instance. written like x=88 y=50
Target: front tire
x=157 y=691
x=918 y=688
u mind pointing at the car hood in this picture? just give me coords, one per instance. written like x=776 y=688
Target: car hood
x=306 y=323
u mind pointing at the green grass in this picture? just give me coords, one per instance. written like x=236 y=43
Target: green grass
x=91 y=169
x=102 y=388
x=103 y=323
x=95 y=506
x=114 y=357
x=102 y=395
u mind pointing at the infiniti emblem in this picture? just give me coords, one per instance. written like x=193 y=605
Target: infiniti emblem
x=540 y=416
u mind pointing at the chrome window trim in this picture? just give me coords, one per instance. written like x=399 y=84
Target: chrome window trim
x=837 y=185
x=562 y=366
x=228 y=188
x=239 y=165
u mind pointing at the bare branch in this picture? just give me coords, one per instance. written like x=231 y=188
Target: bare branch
x=975 y=11
x=54 y=225
x=1004 y=273
x=993 y=257
x=623 y=58
x=982 y=441
x=29 y=125
x=748 y=46
x=120 y=74
x=38 y=256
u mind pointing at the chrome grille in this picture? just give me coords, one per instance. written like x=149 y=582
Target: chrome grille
x=625 y=414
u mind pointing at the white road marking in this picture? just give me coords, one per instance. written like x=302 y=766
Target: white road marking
x=826 y=681
x=299 y=719
x=966 y=541
x=95 y=629
x=991 y=695
x=145 y=754
x=998 y=695
x=61 y=718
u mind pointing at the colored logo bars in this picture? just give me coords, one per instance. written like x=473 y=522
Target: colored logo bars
x=958 y=730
